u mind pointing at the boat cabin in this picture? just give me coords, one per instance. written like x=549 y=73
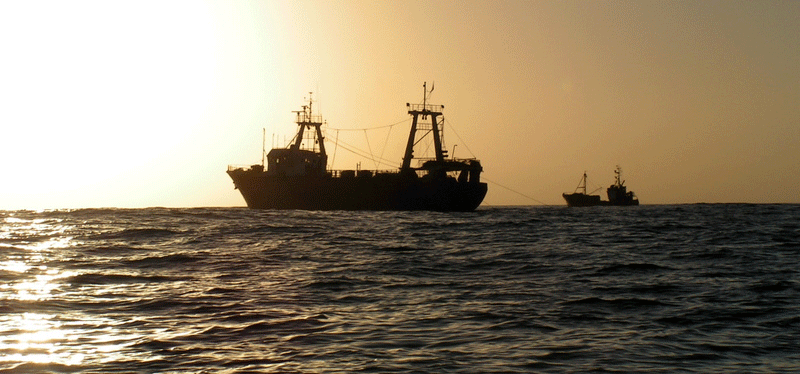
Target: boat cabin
x=292 y=162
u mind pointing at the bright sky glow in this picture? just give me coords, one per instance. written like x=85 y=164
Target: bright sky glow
x=145 y=103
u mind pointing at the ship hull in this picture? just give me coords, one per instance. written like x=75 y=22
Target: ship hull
x=390 y=191
x=579 y=200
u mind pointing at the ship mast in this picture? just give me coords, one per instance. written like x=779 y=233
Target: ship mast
x=424 y=110
x=618 y=173
x=583 y=182
x=306 y=119
x=263 y=145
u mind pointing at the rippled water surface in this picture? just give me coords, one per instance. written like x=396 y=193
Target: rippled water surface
x=691 y=288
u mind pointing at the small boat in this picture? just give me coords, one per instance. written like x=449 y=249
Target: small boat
x=617 y=194
x=581 y=198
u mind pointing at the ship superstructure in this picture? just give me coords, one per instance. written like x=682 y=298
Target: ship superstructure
x=618 y=193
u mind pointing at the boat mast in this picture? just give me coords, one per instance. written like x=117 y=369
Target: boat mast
x=423 y=110
x=584 y=183
x=618 y=173
x=263 y=144
x=306 y=119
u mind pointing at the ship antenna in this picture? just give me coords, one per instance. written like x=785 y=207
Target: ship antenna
x=424 y=94
x=263 y=144
x=310 y=101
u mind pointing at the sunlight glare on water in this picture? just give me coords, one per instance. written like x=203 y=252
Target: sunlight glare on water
x=35 y=338
x=66 y=338
x=41 y=287
x=690 y=288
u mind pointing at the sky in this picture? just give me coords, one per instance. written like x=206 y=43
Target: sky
x=145 y=103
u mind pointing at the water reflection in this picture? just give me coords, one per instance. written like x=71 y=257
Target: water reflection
x=36 y=338
x=31 y=243
x=40 y=286
x=42 y=321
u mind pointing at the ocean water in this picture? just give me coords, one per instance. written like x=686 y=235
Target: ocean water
x=680 y=288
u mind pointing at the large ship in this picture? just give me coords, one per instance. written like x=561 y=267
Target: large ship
x=617 y=194
x=297 y=176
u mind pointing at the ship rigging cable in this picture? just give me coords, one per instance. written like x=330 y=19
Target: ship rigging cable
x=463 y=143
x=335 y=142
x=386 y=142
x=380 y=160
x=372 y=155
x=512 y=190
x=369 y=154
x=362 y=153
x=371 y=128
x=366 y=154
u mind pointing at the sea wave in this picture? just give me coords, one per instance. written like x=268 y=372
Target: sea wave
x=691 y=288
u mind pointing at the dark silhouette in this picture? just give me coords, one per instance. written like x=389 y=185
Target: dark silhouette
x=297 y=178
x=617 y=194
